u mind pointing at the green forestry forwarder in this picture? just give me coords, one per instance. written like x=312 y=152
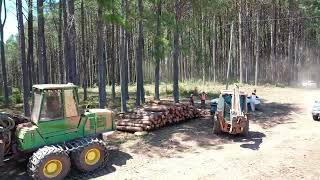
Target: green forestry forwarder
x=57 y=134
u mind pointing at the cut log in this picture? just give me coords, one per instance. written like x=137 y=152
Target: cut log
x=155 y=115
x=129 y=128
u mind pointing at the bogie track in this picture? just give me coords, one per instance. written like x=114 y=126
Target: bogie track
x=70 y=149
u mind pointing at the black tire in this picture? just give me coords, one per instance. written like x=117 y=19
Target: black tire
x=39 y=162
x=245 y=131
x=80 y=158
x=216 y=125
x=316 y=118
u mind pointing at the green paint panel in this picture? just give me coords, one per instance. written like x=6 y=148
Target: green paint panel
x=29 y=139
x=41 y=132
x=91 y=129
x=101 y=123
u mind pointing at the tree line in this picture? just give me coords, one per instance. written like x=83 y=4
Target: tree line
x=120 y=42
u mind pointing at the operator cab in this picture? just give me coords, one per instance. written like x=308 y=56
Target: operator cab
x=55 y=109
x=225 y=101
x=227 y=97
x=54 y=102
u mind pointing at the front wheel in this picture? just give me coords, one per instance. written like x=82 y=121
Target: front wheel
x=315 y=117
x=49 y=162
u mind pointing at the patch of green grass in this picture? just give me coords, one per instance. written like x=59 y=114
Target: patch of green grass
x=280 y=85
x=166 y=89
x=126 y=138
x=16 y=97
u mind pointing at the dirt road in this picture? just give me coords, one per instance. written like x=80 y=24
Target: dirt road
x=284 y=143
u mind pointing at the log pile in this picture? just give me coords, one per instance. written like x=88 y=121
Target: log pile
x=156 y=115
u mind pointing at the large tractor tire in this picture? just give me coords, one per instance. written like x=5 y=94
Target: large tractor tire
x=216 y=125
x=316 y=118
x=245 y=131
x=49 y=162
x=90 y=157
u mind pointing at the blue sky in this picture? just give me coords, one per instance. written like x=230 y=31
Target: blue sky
x=10 y=28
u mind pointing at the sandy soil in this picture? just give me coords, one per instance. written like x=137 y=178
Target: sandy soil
x=284 y=143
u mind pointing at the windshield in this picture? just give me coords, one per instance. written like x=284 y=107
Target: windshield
x=36 y=106
x=51 y=106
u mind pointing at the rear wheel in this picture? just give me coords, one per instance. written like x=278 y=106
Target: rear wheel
x=216 y=125
x=315 y=117
x=49 y=163
x=90 y=157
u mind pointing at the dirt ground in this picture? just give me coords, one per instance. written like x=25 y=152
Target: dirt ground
x=284 y=143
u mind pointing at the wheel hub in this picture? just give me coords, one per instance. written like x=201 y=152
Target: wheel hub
x=52 y=168
x=92 y=156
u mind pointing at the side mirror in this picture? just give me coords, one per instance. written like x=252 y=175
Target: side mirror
x=84 y=109
x=87 y=108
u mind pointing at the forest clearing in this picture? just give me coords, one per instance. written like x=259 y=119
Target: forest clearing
x=283 y=143
x=154 y=89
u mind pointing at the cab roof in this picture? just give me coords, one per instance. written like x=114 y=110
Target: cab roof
x=54 y=86
x=224 y=92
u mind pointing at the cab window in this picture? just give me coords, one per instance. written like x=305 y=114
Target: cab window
x=70 y=104
x=36 y=104
x=51 y=106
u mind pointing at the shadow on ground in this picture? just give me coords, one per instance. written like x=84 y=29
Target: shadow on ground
x=194 y=134
x=18 y=170
x=15 y=170
x=182 y=137
x=172 y=140
x=253 y=141
x=116 y=158
x=273 y=114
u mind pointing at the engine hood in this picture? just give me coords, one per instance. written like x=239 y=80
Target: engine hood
x=25 y=128
x=28 y=136
x=104 y=119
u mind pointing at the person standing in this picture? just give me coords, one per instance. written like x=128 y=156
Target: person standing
x=191 y=100
x=253 y=100
x=203 y=97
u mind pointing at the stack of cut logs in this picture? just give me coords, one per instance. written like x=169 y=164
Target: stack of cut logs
x=156 y=115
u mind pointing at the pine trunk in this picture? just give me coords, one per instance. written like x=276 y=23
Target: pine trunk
x=140 y=49
x=102 y=65
x=113 y=65
x=240 y=42
x=257 y=47
x=3 y=58
x=158 y=52
x=176 y=53
x=84 y=59
x=61 y=68
x=25 y=82
x=42 y=57
x=66 y=48
x=214 y=41
x=30 y=45
x=123 y=66
x=71 y=30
